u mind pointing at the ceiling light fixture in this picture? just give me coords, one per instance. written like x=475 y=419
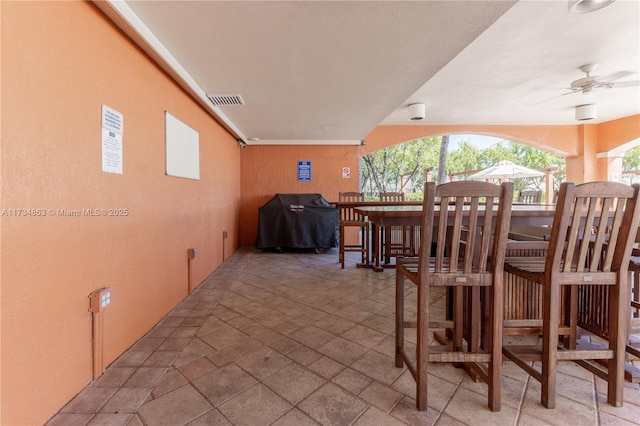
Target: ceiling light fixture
x=586 y=6
x=417 y=112
x=586 y=112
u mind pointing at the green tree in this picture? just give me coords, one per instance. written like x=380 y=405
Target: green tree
x=466 y=158
x=399 y=167
x=631 y=160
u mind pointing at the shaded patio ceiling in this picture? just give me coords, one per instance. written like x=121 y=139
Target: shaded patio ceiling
x=329 y=72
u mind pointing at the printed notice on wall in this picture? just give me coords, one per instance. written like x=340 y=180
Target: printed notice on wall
x=112 y=131
x=111 y=152
x=304 y=171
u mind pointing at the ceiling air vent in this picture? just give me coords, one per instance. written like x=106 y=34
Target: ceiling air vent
x=226 y=100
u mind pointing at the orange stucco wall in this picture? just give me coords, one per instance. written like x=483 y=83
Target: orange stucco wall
x=61 y=61
x=267 y=170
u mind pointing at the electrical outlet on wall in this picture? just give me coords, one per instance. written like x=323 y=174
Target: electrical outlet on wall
x=191 y=253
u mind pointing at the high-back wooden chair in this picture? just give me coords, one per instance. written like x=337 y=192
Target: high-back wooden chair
x=350 y=219
x=590 y=245
x=530 y=197
x=396 y=240
x=464 y=234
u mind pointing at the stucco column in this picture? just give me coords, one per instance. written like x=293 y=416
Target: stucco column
x=609 y=167
x=583 y=167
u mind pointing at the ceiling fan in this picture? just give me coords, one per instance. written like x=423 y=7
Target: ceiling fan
x=588 y=84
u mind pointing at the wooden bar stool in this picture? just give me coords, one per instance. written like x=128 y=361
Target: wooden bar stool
x=349 y=219
x=591 y=239
x=396 y=240
x=462 y=248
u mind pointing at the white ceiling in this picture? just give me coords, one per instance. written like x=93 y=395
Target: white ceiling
x=331 y=71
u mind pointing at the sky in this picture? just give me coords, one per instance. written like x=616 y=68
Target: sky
x=479 y=141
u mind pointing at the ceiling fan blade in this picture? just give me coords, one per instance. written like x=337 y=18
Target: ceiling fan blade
x=630 y=83
x=613 y=77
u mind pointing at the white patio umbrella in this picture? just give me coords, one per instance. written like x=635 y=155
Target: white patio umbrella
x=505 y=170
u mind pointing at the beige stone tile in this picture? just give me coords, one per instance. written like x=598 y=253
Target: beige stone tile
x=439 y=391
x=326 y=367
x=353 y=314
x=364 y=336
x=270 y=318
x=606 y=419
x=171 y=380
x=305 y=355
x=177 y=407
x=131 y=358
x=119 y=419
x=263 y=363
x=384 y=324
x=406 y=412
x=566 y=410
x=334 y=324
x=160 y=359
x=125 y=400
x=114 y=377
x=342 y=350
x=445 y=420
x=174 y=344
x=375 y=417
x=312 y=336
x=196 y=348
x=223 y=383
x=147 y=344
x=295 y=417
x=222 y=337
x=248 y=345
x=570 y=387
x=90 y=400
x=224 y=356
x=194 y=321
x=352 y=380
x=467 y=406
x=294 y=382
x=629 y=412
x=286 y=327
x=159 y=331
x=184 y=331
x=377 y=366
x=145 y=377
x=211 y=418
x=631 y=391
x=70 y=419
x=381 y=396
x=331 y=405
x=212 y=323
x=255 y=406
x=286 y=345
x=197 y=368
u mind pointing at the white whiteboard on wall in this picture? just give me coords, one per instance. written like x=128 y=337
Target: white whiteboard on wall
x=182 y=149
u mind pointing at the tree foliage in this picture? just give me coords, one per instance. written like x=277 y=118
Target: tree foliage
x=399 y=167
x=631 y=160
x=402 y=167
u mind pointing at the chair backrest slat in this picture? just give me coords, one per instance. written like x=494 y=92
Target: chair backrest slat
x=392 y=196
x=469 y=230
x=347 y=213
x=594 y=227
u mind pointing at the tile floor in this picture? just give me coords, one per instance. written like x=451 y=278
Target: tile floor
x=292 y=339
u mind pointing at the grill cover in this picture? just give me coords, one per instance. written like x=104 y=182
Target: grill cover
x=297 y=221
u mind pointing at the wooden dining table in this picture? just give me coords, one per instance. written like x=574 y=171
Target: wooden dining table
x=411 y=215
